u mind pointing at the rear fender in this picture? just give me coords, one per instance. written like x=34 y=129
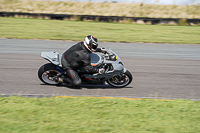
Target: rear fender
x=53 y=57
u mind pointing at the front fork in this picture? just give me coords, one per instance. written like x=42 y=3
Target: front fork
x=118 y=77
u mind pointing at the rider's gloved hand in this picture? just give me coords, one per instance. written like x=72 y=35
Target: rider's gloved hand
x=101 y=70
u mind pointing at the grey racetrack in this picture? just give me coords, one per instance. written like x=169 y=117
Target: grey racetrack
x=164 y=71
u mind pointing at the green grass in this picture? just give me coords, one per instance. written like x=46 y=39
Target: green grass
x=130 y=9
x=94 y=115
x=110 y=32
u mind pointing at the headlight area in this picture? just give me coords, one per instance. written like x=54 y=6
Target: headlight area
x=113 y=57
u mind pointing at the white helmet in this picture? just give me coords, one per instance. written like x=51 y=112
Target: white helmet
x=91 y=43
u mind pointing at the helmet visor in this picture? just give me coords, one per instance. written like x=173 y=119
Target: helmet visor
x=94 y=46
x=95 y=39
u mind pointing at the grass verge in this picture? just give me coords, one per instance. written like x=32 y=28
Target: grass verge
x=130 y=9
x=83 y=114
x=22 y=28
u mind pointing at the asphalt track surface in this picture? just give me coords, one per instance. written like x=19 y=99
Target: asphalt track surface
x=163 y=71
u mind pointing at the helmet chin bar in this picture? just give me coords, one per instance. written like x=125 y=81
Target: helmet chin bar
x=88 y=47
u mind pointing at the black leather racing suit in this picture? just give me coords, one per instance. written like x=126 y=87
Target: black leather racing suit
x=74 y=58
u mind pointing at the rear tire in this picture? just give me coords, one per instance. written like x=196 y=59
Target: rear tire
x=120 y=82
x=47 y=72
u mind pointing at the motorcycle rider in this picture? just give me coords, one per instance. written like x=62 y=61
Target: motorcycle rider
x=77 y=56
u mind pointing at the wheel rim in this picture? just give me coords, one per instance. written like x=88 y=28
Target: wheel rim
x=47 y=76
x=119 y=81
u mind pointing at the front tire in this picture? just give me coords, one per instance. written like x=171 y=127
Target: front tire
x=121 y=81
x=47 y=72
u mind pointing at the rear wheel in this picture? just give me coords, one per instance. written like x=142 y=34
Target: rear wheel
x=47 y=72
x=121 y=81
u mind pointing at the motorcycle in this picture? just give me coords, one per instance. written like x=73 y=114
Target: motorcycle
x=115 y=73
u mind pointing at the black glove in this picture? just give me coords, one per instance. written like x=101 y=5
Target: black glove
x=101 y=70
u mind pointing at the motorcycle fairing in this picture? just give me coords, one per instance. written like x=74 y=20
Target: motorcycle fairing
x=96 y=60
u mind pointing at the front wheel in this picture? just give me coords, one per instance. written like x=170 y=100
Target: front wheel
x=121 y=81
x=47 y=72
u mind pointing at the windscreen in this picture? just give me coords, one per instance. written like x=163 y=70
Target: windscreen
x=94 y=58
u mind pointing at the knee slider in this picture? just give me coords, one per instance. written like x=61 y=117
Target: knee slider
x=77 y=83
